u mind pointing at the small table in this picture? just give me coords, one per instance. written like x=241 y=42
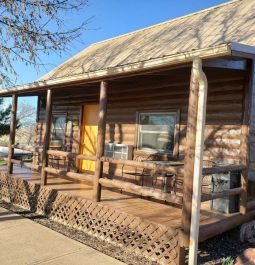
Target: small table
x=164 y=175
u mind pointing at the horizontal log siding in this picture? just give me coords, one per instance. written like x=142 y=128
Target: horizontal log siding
x=223 y=120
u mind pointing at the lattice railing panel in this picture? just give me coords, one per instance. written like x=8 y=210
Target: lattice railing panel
x=154 y=241
x=4 y=188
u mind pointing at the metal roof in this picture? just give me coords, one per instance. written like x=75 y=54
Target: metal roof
x=231 y=22
x=213 y=32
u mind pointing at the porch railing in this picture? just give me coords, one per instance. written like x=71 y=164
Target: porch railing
x=70 y=155
x=222 y=194
x=128 y=186
x=35 y=150
x=151 y=192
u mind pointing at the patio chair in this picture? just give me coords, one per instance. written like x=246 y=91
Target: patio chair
x=139 y=172
x=154 y=175
x=143 y=172
x=206 y=180
x=55 y=160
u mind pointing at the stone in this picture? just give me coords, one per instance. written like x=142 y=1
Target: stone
x=247 y=232
x=247 y=257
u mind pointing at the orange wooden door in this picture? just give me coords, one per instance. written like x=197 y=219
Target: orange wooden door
x=89 y=136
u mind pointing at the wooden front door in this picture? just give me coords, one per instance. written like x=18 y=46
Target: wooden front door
x=89 y=136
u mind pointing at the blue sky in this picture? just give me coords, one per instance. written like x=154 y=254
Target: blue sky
x=115 y=17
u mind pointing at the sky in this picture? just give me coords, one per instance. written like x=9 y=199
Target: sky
x=112 y=18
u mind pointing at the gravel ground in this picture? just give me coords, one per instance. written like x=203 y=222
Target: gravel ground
x=215 y=250
x=211 y=252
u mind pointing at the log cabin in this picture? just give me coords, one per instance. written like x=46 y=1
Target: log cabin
x=136 y=134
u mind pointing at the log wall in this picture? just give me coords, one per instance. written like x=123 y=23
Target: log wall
x=125 y=99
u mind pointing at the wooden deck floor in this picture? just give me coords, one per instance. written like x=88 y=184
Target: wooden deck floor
x=161 y=213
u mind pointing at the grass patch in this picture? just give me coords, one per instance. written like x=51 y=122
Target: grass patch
x=2 y=163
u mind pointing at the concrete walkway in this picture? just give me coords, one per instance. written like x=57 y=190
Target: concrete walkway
x=23 y=241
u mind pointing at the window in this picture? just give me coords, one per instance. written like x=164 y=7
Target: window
x=58 y=128
x=121 y=151
x=156 y=132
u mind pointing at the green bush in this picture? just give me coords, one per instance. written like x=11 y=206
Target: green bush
x=228 y=261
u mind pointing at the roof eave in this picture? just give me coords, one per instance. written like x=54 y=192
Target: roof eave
x=152 y=64
x=242 y=50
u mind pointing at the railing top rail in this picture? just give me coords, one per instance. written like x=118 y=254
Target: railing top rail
x=179 y=169
x=173 y=169
x=31 y=148
x=71 y=155
x=223 y=169
x=146 y=165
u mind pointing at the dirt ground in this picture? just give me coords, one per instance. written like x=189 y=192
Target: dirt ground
x=211 y=252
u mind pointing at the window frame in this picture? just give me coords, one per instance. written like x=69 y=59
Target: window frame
x=175 y=151
x=59 y=114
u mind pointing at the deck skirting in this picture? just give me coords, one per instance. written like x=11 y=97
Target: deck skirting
x=154 y=241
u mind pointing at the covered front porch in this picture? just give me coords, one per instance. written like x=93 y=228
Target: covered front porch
x=151 y=199
x=158 y=212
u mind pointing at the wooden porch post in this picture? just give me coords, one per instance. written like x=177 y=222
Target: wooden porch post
x=245 y=131
x=189 y=164
x=198 y=161
x=100 y=140
x=46 y=140
x=12 y=132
